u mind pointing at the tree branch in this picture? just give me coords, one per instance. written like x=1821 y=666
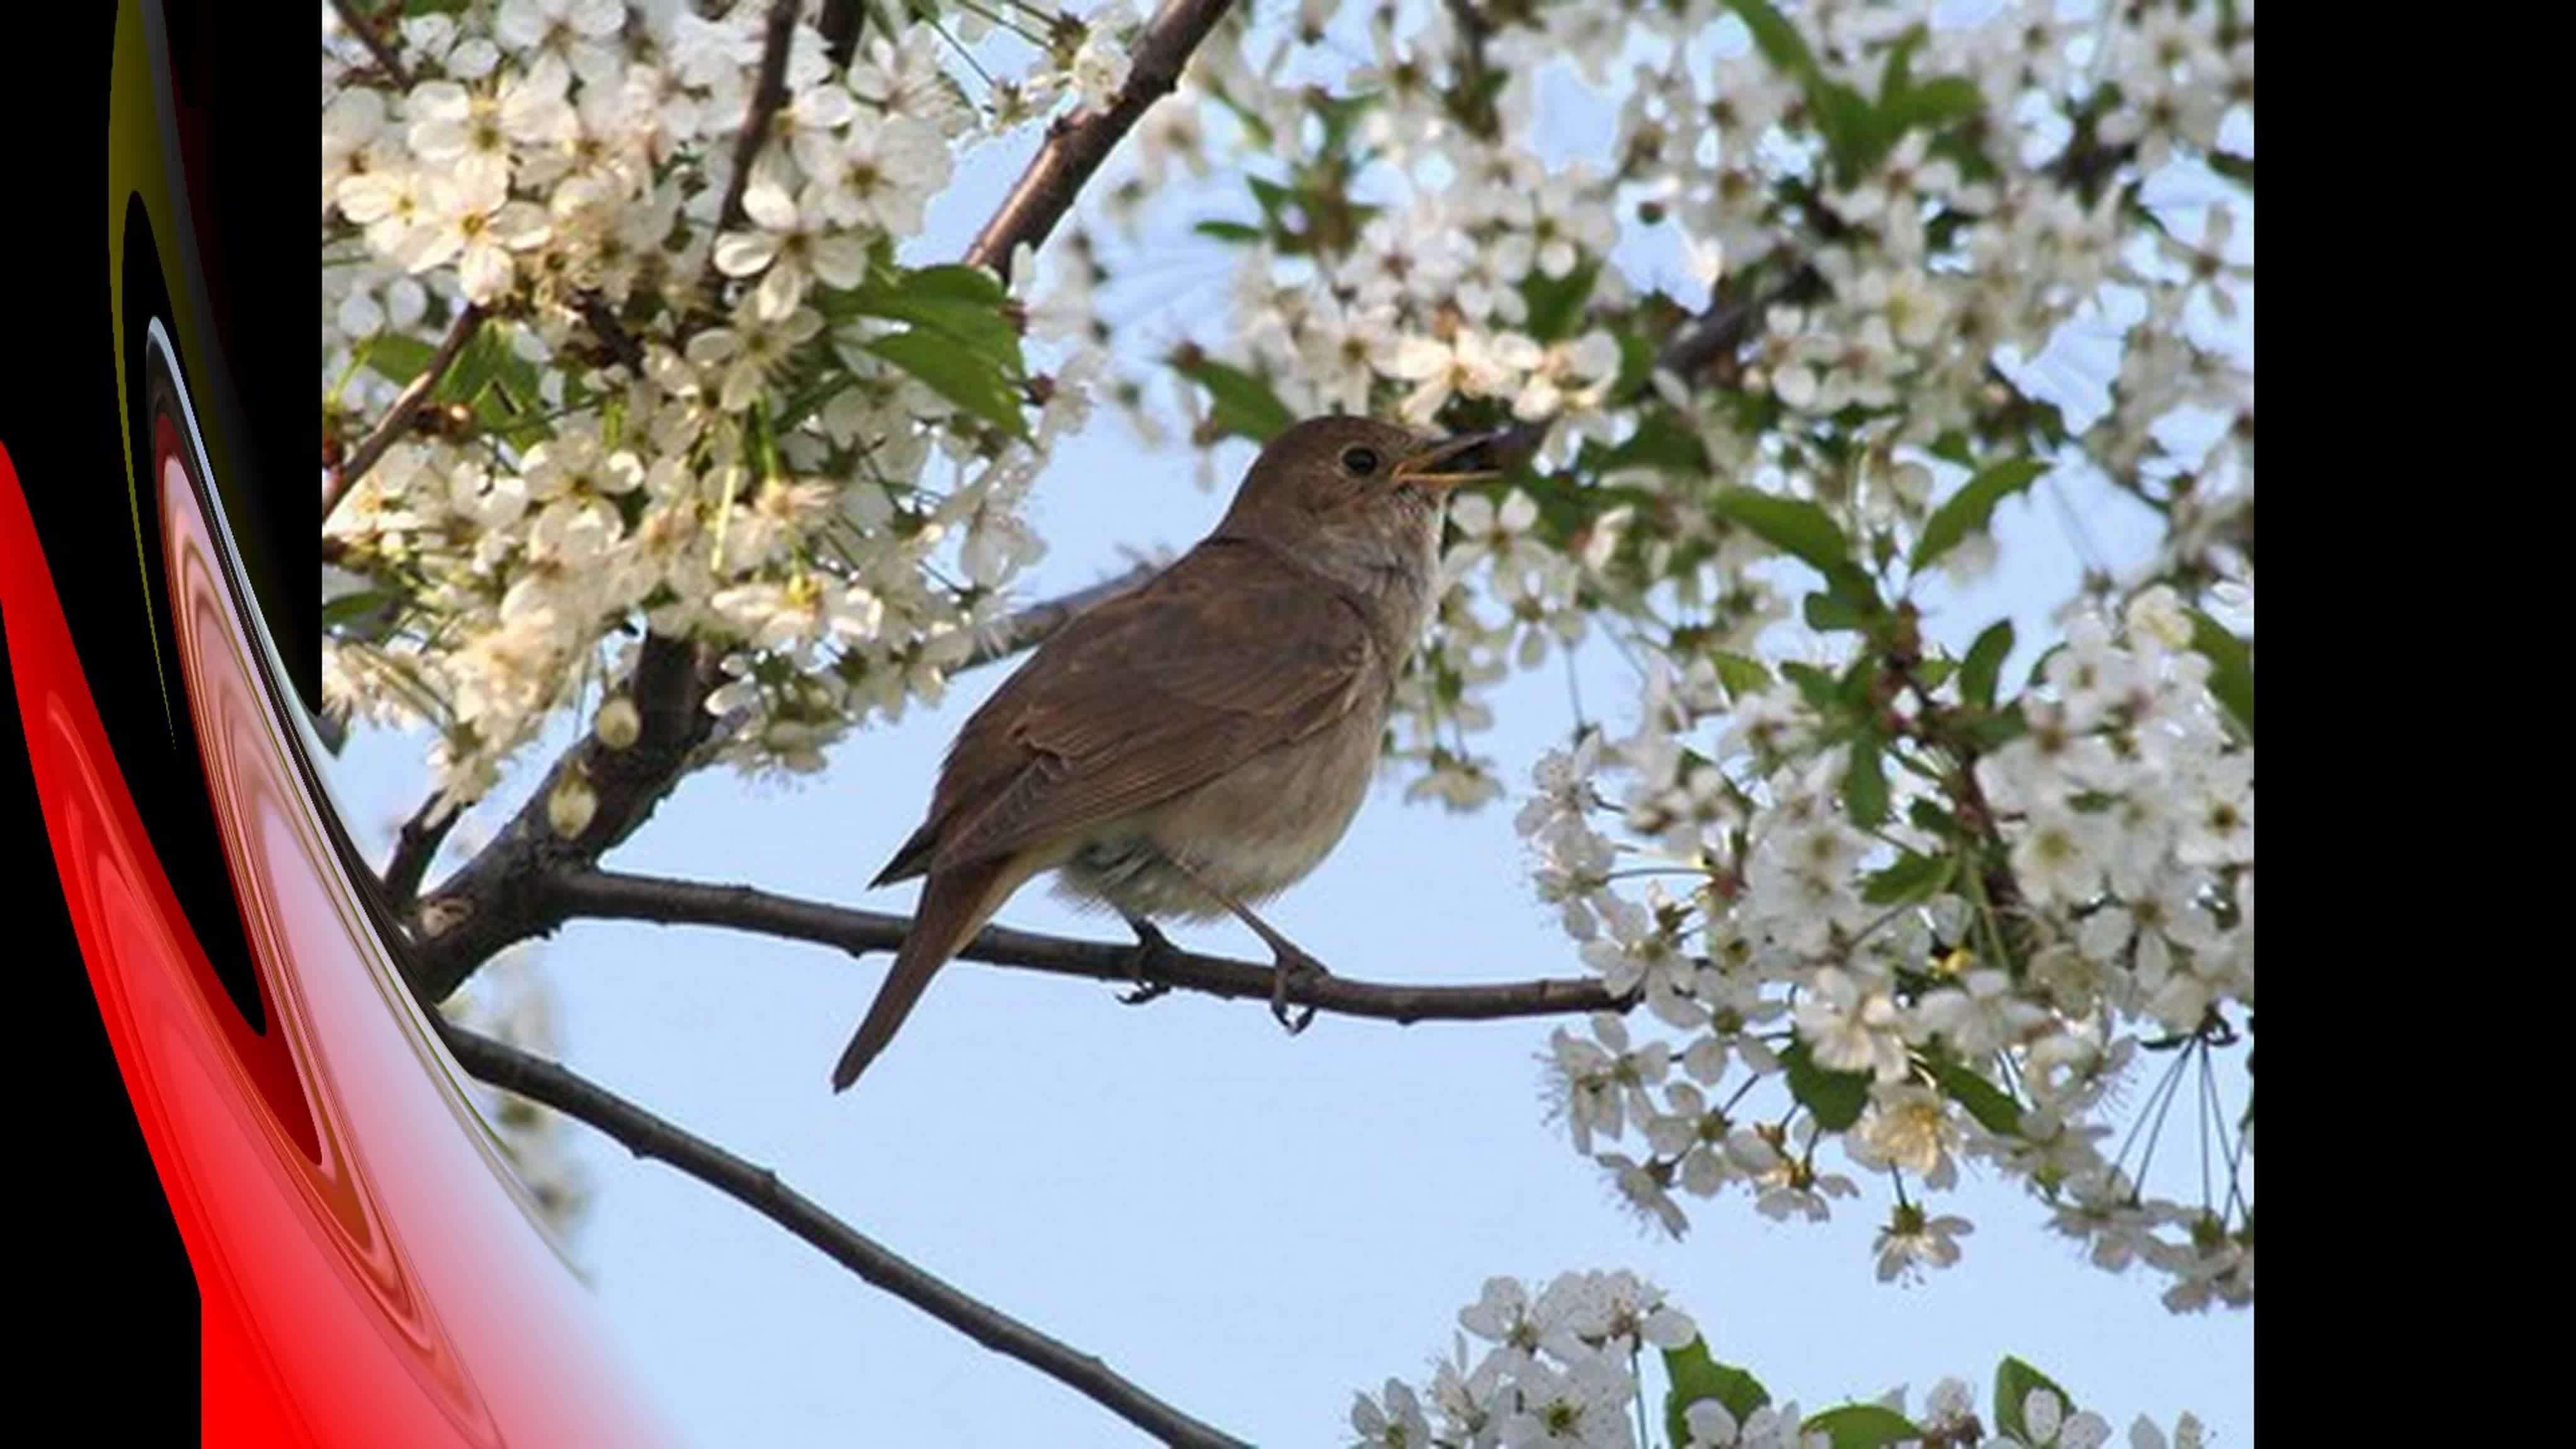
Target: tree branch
x=649 y=1136
x=363 y=26
x=605 y=895
x=1076 y=145
x=1724 y=326
x=415 y=846
x=1027 y=628
x=483 y=907
x=408 y=401
x=768 y=93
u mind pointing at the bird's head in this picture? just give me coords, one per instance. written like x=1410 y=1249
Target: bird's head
x=1351 y=494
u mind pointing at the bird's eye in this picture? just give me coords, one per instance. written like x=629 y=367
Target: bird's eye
x=1360 y=461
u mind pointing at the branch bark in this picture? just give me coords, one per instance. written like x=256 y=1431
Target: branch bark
x=759 y=1188
x=484 y=906
x=1724 y=326
x=1076 y=145
x=604 y=895
x=415 y=846
x=363 y=26
x=408 y=401
x=768 y=93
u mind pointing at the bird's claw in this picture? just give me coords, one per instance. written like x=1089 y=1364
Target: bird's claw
x=1291 y=962
x=1152 y=948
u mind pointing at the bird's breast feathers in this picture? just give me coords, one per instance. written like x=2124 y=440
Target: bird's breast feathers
x=1253 y=832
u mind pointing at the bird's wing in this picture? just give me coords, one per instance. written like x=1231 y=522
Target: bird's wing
x=1228 y=653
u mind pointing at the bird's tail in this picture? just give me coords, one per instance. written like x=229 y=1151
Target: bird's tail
x=955 y=904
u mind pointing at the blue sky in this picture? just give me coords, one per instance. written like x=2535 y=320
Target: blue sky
x=1251 y=1226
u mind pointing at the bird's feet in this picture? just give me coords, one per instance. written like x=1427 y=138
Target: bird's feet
x=1152 y=949
x=1289 y=962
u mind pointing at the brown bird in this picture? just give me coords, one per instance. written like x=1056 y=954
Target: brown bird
x=1202 y=741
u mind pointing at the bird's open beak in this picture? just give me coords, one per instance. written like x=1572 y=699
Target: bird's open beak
x=1468 y=458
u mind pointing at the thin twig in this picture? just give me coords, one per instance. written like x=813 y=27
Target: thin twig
x=363 y=26
x=650 y=1136
x=613 y=336
x=408 y=401
x=1076 y=145
x=1724 y=326
x=608 y=895
x=1029 y=627
x=768 y=93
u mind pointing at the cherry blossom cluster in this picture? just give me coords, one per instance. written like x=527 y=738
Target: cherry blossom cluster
x=705 y=404
x=1566 y=1367
x=2023 y=928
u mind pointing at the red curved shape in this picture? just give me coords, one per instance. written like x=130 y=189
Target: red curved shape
x=367 y=1269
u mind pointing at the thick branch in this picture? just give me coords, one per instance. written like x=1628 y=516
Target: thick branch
x=363 y=26
x=487 y=904
x=415 y=847
x=408 y=401
x=611 y=896
x=647 y=1135
x=1076 y=145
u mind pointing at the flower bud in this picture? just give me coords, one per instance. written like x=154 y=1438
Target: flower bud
x=618 y=723
x=570 y=805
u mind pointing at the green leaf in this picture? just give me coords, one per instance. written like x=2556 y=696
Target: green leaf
x=1865 y=784
x=1827 y=612
x=1996 y=730
x=1911 y=878
x=955 y=279
x=398 y=357
x=2013 y=1382
x=1931 y=817
x=1815 y=684
x=1792 y=525
x=1834 y=1097
x=1636 y=364
x=1740 y=676
x=1239 y=403
x=1967 y=510
x=963 y=304
x=1555 y=303
x=2231 y=667
x=1938 y=102
x=1985 y=662
x=1232 y=231
x=1777 y=39
x=1853 y=129
x=1660 y=442
x=1862 y=1426
x=971 y=381
x=1696 y=1376
x=1992 y=1106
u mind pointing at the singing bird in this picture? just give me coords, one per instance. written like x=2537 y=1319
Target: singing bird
x=1201 y=742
